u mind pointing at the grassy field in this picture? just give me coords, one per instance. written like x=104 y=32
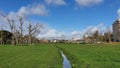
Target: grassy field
x=48 y=56
x=92 y=56
x=30 y=57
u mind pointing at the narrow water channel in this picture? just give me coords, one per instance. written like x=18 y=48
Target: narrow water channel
x=66 y=62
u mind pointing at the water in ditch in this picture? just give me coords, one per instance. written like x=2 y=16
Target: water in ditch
x=66 y=62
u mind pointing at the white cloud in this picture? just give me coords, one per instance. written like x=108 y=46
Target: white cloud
x=54 y=34
x=36 y=9
x=75 y=33
x=85 y=3
x=3 y=23
x=50 y=33
x=118 y=12
x=55 y=2
x=23 y=11
x=12 y=15
x=91 y=29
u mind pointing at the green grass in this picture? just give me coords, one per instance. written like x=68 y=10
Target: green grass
x=48 y=56
x=30 y=57
x=92 y=56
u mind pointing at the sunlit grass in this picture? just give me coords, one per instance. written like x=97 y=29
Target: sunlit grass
x=48 y=56
x=93 y=56
x=30 y=57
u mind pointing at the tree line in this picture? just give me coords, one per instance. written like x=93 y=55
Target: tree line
x=18 y=35
x=96 y=37
x=15 y=35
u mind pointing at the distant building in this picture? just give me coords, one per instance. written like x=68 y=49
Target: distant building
x=76 y=40
x=116 y=30
x=54 y=41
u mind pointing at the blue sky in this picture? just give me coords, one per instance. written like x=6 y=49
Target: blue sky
x=66 y=15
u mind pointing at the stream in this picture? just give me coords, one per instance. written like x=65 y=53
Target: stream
x=66 y=62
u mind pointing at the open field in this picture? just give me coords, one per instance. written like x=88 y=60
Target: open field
x=48 y=56
x=93 y=56
x=30 y=57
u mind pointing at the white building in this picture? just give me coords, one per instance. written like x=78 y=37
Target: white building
x=116 y=30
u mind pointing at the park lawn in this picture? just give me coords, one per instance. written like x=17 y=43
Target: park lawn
x=92 y=55
x=42 y=56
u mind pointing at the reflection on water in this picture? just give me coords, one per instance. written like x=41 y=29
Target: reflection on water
x=66 y=62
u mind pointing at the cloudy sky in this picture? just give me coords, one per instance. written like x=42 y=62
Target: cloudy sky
x=65 y=17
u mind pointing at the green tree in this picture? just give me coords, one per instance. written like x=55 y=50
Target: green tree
x=6 y=37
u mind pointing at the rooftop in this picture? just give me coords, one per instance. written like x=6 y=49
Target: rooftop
x=118 y=19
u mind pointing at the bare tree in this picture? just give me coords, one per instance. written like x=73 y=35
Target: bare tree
x=21 y=22
x=108 y=35
x=33 y=30
x=11 y=24
x=1 y=40
x=96 y=36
